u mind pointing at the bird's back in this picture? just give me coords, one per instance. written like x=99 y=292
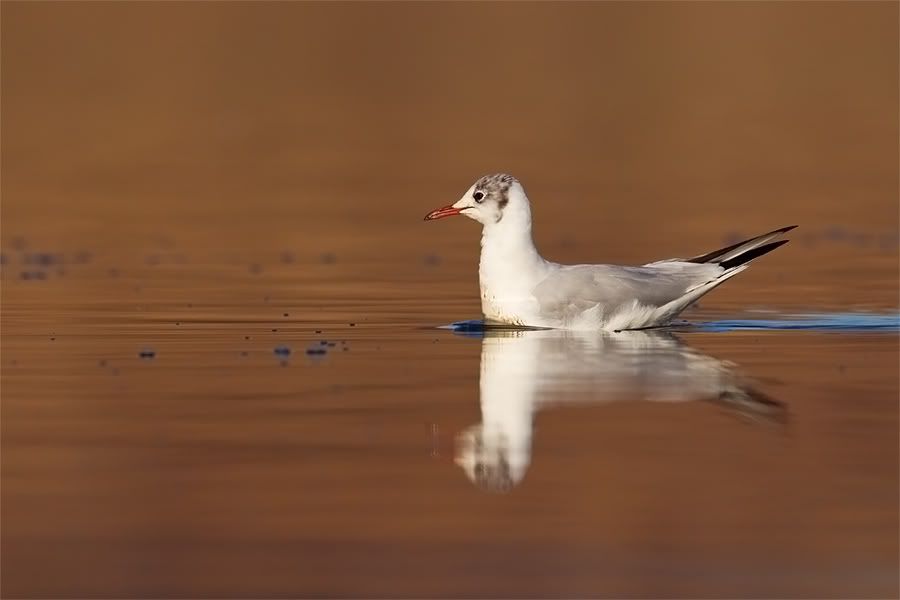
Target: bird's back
x=615 y=297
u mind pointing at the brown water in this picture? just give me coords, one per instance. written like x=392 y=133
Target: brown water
x=210 y=183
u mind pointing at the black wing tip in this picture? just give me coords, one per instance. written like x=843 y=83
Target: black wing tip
x=712 y=256
x=751 y=254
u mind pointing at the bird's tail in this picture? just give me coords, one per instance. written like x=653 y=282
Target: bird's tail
x=743 y=252
x=733 y=259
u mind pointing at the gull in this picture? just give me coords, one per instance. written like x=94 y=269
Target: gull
x=521 y=288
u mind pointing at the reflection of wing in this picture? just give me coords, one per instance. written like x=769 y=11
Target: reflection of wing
x=522 y=371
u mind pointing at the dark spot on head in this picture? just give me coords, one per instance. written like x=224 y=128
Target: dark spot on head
x=495 y=188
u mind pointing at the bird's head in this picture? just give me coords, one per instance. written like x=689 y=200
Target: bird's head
x=489 y=201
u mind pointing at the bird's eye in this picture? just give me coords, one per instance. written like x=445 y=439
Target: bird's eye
x=479 y=196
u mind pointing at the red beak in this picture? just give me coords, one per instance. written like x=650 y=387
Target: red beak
x=447 y=211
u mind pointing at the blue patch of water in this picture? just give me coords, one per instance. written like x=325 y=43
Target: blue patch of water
x=810 y=322
x=849 y=322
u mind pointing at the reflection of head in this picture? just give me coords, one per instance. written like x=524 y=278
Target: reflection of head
x=490 y=464
x=524 y=370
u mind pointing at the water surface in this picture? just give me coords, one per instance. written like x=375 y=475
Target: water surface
x=231 y=436
x=223 y=368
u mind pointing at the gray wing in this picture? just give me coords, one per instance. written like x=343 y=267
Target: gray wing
x=576 y=288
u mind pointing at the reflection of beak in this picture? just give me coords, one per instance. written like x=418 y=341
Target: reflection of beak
x=447 y=211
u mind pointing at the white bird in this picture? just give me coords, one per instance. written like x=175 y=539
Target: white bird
x=519 y=287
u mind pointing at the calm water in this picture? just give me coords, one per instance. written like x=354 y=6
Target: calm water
x=226 y=368
x=289 y=432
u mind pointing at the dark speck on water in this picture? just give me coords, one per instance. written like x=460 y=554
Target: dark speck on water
x=889 y=241
x=282 y=351
x=101 y=362
x=113 y=272
x=287 y=257
x=328 y=258
x=256 y=269
x=836 y=233
x=244 y=353
x=352 y=324
x=432 y=260
x=274 y=330
x=82 y=257
x=44 y=259
x=861 y=239
x=246 y=337
x=286 y=314
x=147 y=353
x=316 y=351
x=318 y=331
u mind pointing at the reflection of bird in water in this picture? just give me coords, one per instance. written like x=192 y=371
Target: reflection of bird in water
x=523 y=371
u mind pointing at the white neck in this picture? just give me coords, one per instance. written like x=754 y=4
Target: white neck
x=510 y=265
